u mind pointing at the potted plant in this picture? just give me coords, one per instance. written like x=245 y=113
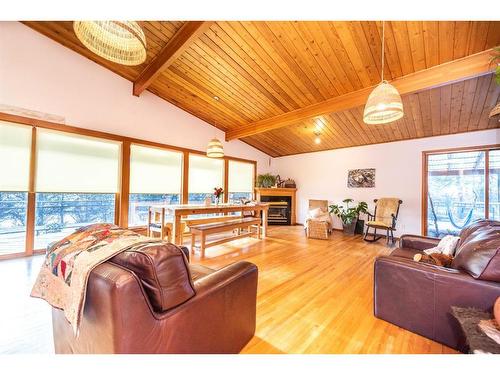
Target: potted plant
x=348 y=215
x=266 y=180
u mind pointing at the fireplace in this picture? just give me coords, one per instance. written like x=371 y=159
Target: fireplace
x=280 y=209
x=281 y=204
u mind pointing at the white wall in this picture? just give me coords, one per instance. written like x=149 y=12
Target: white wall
x=323 y=175
x=39 y=74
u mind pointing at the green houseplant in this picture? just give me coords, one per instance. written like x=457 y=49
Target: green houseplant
x=266 y=180
x=348 y=215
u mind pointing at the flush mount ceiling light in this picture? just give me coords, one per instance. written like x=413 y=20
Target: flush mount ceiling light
x=384 y=104
x=122 y=42
x=317 y=140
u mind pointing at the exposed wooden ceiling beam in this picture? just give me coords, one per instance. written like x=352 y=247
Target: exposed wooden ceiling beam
x=182 y=39
x=453 y=71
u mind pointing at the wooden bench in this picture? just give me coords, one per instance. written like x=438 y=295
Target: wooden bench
x=205 y=229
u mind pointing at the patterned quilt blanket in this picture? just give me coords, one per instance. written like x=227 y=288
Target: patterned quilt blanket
x=62 y=280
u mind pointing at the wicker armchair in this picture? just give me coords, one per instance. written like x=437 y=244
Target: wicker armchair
x=384 y=218
x=320 y=226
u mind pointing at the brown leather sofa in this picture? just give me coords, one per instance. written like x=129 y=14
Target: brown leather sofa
x=418 y=297
x=154 y=301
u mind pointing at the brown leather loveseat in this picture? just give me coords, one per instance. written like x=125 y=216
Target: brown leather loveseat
x=153 y=301
x=418 y=297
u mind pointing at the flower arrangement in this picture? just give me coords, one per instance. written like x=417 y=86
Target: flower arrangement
x=218 y=194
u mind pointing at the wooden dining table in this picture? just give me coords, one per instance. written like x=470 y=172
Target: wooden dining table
x=180 y=210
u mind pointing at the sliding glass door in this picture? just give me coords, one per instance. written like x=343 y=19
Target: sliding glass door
x=459 y=185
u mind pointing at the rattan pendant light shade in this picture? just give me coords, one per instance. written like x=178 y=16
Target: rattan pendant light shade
x=383 y=105
x=495 y=111
x=215 y=149
x=122 y=42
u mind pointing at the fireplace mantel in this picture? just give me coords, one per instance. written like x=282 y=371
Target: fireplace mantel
x=289 y=192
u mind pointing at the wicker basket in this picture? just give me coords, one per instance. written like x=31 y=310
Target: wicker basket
x=317 y=229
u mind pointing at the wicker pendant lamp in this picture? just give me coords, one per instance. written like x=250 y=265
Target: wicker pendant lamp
x=215 y=149
x=384 y=104
x=122 y=42
x=495 y=111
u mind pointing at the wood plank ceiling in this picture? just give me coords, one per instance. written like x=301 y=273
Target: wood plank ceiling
x=259 y=70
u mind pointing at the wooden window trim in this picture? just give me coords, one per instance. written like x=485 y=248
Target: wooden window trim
x=122 y=196
x=425 y=155
x=103 y=135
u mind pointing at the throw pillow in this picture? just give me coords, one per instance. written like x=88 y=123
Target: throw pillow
x=315 y=213
x=446 y=246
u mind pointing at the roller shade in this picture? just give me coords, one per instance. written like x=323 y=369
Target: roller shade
x=205 y=174
x=15 y=149
x=69 y=163
x=241 y=177
x=155 y=171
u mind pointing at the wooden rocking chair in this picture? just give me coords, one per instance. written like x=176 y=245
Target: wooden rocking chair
x=384 y=217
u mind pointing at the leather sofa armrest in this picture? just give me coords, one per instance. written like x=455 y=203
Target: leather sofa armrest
x=418 y=242
x=224 y=276
x=418 y=297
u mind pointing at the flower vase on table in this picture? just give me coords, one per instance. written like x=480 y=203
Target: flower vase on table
x=218 y=195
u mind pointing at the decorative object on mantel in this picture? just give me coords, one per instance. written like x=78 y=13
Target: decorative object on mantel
x=24 y=112
x=471 y=321
x=288 y=183
x=122 y=42
x=349 y=215
x=218 y=194
x=384 y=104
x=266 y=180
x=361 y=178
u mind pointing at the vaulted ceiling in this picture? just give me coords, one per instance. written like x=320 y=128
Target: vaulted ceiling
x=262 y=71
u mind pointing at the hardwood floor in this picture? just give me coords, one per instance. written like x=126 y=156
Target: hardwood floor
x=314 y=296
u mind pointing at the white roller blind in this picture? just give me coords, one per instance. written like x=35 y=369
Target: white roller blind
x=72 y=163
x=15 y=149
x=205 y=174
x=155 y=171
x=240 y=177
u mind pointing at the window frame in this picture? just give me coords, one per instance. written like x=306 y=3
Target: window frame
x=122 y=195
x=425 y=157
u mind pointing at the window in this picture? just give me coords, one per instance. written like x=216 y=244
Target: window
x=59 y=214
x=205 y=174
x=240 y=180
x=494 y=185
x=155 y=179
x=76 y=183
x=457 y=189
x=15 y=151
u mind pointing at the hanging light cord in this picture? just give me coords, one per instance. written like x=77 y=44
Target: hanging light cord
x=383 y=48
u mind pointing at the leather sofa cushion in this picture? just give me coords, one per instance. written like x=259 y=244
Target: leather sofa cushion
x=163 y=271
x=479 y=250
x=405 y=252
